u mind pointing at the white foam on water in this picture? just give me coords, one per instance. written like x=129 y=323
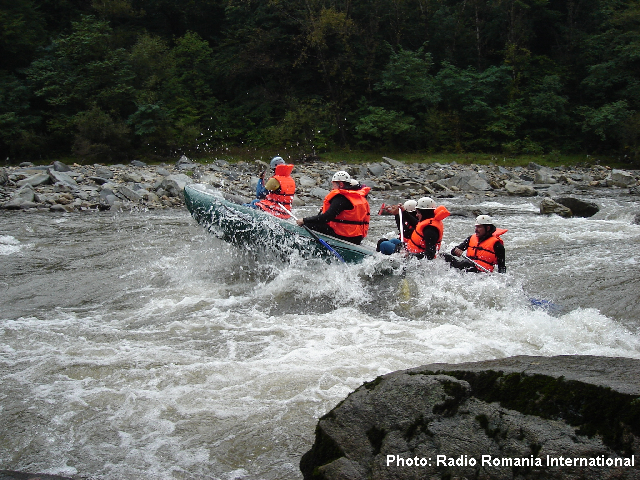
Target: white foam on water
x=208 y=362
x=9 y=245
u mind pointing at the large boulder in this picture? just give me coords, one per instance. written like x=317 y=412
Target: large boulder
x=621 y=178
x=565 y=417
x=174 y=184
x=548 y=206
x=579 y=208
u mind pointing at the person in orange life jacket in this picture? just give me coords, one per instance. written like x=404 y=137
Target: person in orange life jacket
x=280 y=190
x=261 y=191
x=485 y=248
x=427 y=233
x=409 y=222
x=345 y=210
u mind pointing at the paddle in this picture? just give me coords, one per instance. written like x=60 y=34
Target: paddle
x=476 y=264
x=401 y=226
x=313 y=234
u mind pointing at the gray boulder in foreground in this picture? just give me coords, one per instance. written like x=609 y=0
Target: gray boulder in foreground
x=563 y=417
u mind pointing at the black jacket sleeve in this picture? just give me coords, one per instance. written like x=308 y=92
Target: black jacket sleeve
x=500 y=254
x=338 y=204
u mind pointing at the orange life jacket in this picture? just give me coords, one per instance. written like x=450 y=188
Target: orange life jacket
x=416 y=243
x=354 y=222
x=483 y=253
x=281 y=196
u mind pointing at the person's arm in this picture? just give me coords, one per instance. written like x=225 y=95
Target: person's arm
x=338 y=204
x=460 y=249
x=501 y=256
x=272 y=185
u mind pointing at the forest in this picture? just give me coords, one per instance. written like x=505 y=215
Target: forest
x=107 y=80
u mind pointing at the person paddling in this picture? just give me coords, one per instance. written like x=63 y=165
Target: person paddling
x=406 y=219
x=345 y=211
x=482 y=251
x=426 y=237
x=280 y=189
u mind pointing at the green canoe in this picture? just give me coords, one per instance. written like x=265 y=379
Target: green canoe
x=248 y=227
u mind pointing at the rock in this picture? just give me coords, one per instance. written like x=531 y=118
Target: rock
x=4 y=177
x=174 y=184
x=579 y=208
x=129 y=194
x=544 y=176
x=620 y=178
x=62 y=178
x=492 y=420
x=61 y=167
x=548 y=206
x=22 y=198
x=520 y=190
x=137 y=163
x=35 y=180
x=634 y=191
x=132 y=177
x=392 y=162
x=377 y=169
x=184 y=163
x=163 y=171
x=466 y=181
x=99 y=180
x=636 y=219
x=104 y=172
x=304 y=181
x=318 y=192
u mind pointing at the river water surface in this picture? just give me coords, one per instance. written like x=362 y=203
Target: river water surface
x=136 y=345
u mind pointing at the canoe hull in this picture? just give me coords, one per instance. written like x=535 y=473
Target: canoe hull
x=247 y=227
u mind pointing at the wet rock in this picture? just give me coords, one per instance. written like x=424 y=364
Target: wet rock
x=548 y=206
x=579 y=208
x=495 y=419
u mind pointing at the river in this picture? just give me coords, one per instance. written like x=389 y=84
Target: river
x=137 y=345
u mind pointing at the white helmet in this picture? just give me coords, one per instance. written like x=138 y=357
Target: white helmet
x=426 y=203
x=484 y=220
x=410 y=205
x=341 y=176
x=275 y=161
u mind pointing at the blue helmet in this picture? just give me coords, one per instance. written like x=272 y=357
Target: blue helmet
x=275 y=161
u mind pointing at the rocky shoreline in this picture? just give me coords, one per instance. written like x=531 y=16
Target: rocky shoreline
x=65 y=188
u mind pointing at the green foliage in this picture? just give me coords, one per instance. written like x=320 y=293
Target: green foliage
x=166 y=77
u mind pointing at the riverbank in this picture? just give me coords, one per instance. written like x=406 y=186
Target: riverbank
x=65 y=188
